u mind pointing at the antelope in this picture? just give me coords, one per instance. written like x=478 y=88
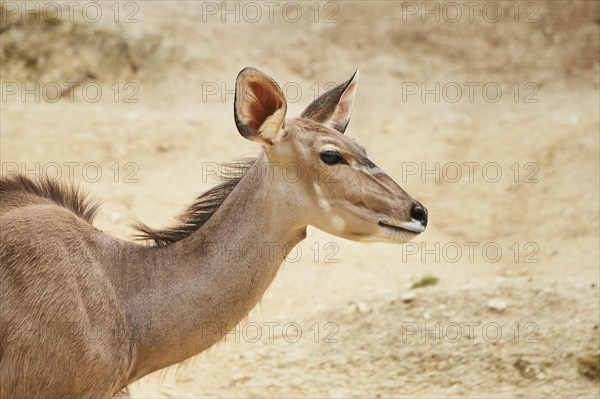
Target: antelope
x=84 y=314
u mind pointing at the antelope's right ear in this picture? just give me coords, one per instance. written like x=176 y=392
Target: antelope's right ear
x=259 y=107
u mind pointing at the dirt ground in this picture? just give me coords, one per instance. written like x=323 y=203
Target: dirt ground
x=509 y=172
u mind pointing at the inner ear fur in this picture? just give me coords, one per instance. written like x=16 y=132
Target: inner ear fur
x=259 y=106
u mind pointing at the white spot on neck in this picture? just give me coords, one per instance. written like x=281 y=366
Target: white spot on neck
x=323 y=203
x=317 y=190
x=338 y=223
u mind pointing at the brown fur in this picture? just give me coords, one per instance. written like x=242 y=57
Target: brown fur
x=84 y=314
x=69 y=197
x=55 y=296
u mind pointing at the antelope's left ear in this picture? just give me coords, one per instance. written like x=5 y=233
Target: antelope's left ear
x=334 y=107
x=259 y=106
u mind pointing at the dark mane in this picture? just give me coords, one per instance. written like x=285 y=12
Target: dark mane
x=201 y=210
x=64 y=195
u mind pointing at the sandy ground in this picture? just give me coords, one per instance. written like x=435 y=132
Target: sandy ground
x=516 y=310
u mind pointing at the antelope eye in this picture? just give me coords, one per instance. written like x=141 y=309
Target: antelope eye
x=331 y=157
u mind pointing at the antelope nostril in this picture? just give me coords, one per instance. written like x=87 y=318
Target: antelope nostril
x=420 y=214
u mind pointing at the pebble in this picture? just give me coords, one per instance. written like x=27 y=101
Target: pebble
x=117 y=149
x=362 y=308
x=497 y=304
x=165 y=147
x=548 y=291
x=456 y=389
x=134 y=116
x=408 y=296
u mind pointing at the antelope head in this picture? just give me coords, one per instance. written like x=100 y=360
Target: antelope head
x=325 y=175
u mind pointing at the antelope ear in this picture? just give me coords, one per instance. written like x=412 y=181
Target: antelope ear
x=259 y=107
x=334 y=107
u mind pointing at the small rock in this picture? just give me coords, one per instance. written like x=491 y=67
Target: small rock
x=117 y=149
x=527 y=368
x=134 y=116
x=408 y=296
x=548 y=291
x=588 y=364
x=456 y=389
x=541 y=376
x=500 y=280
x=165 y=147
x=362 y=308
x=497 y=304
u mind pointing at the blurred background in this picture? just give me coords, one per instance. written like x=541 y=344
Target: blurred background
x=487 y=112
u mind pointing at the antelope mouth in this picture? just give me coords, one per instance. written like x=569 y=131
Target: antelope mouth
x=410 y=227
